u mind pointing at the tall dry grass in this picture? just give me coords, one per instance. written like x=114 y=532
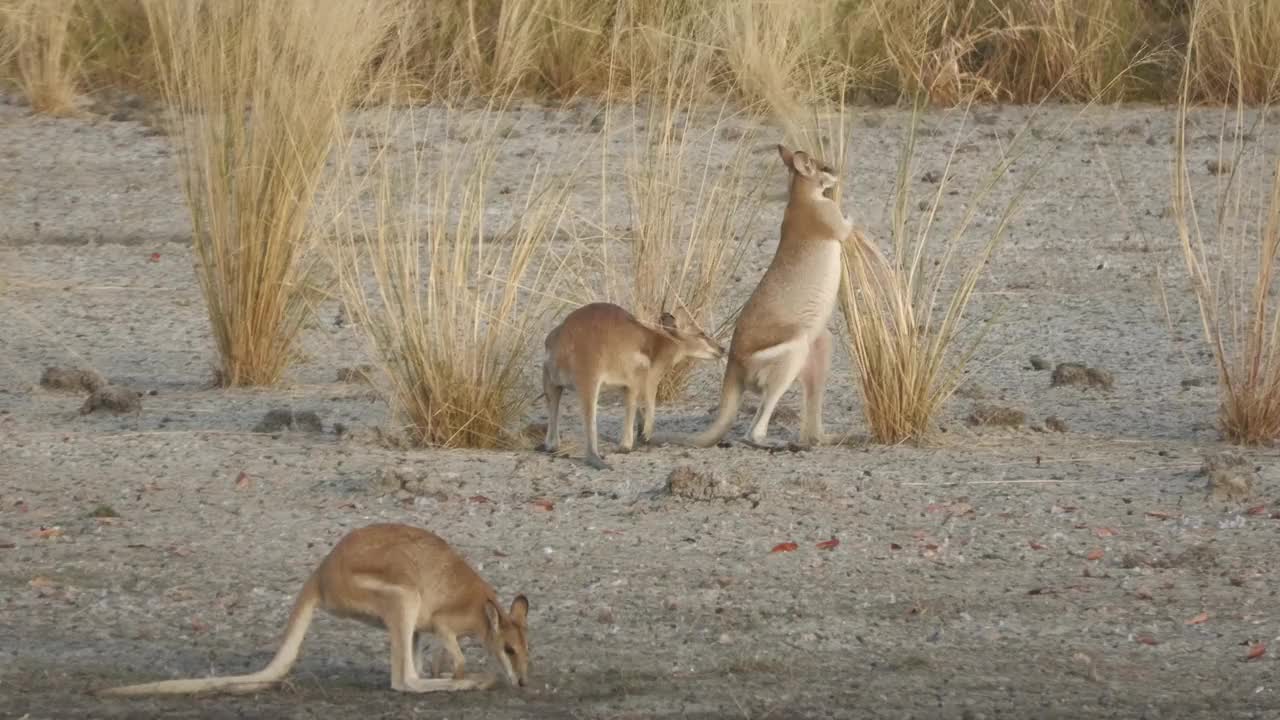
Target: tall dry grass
x=1021 y=51
x=451 y=312
x=35 y=43
x=255 y=91
x=1233 y=262
x=905 y=328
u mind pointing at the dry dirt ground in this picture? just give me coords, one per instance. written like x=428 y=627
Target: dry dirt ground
x=991 y=573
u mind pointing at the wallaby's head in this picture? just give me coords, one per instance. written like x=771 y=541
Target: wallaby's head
x=807 y=172
x=693 y=341
x=508 y=639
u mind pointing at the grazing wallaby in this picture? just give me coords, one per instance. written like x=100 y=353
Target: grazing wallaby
x=602 y=344
x=781 y=333
x=407 y=580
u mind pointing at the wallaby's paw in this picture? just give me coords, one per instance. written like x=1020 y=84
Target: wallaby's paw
x=545 y=448
x=598 y=463
x=624 y=449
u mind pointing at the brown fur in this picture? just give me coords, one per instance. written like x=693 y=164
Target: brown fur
x=601 y=344
x=404 y=579
x=781 y=334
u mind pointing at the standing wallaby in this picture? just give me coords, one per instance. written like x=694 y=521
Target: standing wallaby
x=602 y=344
x=407 y=580
x=782 y=333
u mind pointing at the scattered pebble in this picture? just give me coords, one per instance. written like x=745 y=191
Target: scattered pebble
x=280 y=419
x=996 y=416
x=57 y=378
x=1039 y=363
x=119 y=400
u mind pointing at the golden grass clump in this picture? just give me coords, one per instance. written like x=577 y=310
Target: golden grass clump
x=452 y=313
x=1233 y=267
x=689 y=211
x=35 y=42
x=905 y=335
x=255 y=91
x=1237 y=51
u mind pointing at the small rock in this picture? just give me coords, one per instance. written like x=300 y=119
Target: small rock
x=357 y=374
x=1072 y=373
x=1231 y=476
x=1218 y=167
x=1055 y=423
x=118 y=400
x=280 y=419
x=56 y=378
x=997 y=416
x=932 y=177
x=1193 y=382
x=1039 y=363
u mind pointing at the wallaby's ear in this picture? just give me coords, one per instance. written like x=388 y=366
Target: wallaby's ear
x=786 y=154
x=669 y=322
x=520 y=610
x=803 y=164
x=494 y=615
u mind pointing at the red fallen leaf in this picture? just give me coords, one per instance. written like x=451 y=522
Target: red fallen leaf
x=479 y=499
x=1080 y=526
x=198 y=626
x=180 y=551
x=243 y=482
x=1256 y=651
x=545 y=505
x=45 y=533
x=1256 y=510
x=1147 y=640
x=21 y=505
x=784 y=547
x=155 y=257
x=1104 y=532
x=1035 y=545
x=611 y=532
x=1094 y=554
x=895 y=546
x=930 y=546
x=1160 y=514
x=1142 y=594
x=1060 y=509
x=828 y=544
x=1197 y=620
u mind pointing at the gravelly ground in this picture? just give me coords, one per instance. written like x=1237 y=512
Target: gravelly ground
x=967 y=581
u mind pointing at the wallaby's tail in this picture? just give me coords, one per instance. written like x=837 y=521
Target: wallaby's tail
x=299 y=619
x=730 y=402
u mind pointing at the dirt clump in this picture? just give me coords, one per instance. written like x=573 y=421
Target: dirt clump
x=58 y=378
x=991 y=415
x=1231 y=476
x=690 y=484
x=119 y=400
x=357 y=374
x=1081 y=375
x=1055 y=423
x=281 y=419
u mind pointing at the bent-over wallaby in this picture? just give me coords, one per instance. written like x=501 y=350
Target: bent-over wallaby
x=407 y=580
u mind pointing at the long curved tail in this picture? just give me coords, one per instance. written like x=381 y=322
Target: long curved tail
x=730 y=403
x=296 y=629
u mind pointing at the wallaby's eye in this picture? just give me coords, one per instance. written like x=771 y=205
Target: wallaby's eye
x=510 y=650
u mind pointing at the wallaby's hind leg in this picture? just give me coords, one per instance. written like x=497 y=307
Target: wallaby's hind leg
x=589 y=392
x=786 y=366
x=553 y=392
x=629 y=422
x=813 y=381
x=400 y=616
x=650 y=407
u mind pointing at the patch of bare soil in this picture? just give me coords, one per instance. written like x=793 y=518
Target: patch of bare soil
x=990 y=573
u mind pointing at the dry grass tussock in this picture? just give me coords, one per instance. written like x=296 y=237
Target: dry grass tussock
x=876 y=50
x=907 y=338
x=1233 y=263
x=255 y=91
x=452 y=314
x=689 y=213
x=35 y=45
